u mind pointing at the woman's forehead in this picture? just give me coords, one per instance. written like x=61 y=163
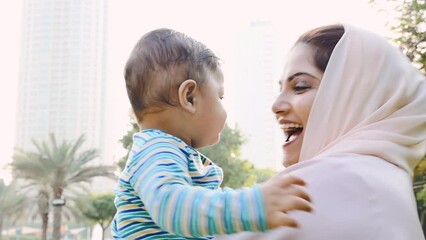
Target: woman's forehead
x=300 y=60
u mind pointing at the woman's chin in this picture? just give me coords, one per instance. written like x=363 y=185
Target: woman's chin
x=290 y=159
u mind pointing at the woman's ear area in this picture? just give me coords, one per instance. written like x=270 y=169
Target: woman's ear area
x=187 y=93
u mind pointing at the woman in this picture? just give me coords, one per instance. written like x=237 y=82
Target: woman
x=354 y=122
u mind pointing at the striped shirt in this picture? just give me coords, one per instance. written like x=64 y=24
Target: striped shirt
x=169 y=190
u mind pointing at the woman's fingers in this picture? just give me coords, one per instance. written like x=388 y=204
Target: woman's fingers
x=289 y=179
x=280 y=219
x=290 y=203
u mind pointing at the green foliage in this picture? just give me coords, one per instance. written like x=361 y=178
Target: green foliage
x=410 y=29
x=264 y=174
x=421 y=196
x=100 y=209
x=419 y=183
x=58 y=165
x=127 y=142
x=62 y=167
x=30 y=167
x=12 y=202
x=226 y=154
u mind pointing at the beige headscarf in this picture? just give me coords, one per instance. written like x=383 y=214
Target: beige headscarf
x=371 y=101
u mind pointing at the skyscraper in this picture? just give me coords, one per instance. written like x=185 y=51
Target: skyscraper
x=257 y=70
x=62 y=72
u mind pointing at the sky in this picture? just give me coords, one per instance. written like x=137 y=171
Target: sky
x=211 y=22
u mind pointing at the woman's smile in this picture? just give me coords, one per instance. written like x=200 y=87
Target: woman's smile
x=299 y=85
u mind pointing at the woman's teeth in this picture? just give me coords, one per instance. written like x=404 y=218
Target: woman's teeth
x=289 y=126
x=290 y=129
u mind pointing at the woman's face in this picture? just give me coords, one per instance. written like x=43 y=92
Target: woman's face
x=298 y=87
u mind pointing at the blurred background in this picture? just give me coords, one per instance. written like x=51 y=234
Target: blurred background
x=66 y=125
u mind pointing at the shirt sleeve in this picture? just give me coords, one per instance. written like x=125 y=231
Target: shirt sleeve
x=164 y=184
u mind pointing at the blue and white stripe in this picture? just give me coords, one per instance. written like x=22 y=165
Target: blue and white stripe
x=168 y=190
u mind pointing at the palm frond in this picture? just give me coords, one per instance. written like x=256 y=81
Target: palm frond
x=78 y=143
x=62 y=168
x=11 y=200
x=87 y=173
x=82 y=159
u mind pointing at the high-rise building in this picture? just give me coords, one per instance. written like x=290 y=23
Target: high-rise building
x=62 y=82
x=258 y=64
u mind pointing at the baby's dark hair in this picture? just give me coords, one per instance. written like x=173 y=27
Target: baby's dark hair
x=161 y=60
x=323 y=39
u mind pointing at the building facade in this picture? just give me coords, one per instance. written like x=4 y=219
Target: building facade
x=62 y=82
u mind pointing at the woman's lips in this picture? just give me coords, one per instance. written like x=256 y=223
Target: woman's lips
x=292 y=137
x=291 y=130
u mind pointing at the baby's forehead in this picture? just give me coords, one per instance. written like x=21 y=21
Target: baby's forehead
x=216 y=74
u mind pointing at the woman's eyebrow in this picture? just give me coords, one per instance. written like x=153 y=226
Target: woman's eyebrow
x=289 y=79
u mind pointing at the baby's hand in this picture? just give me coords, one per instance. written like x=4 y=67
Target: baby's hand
x=284 y=193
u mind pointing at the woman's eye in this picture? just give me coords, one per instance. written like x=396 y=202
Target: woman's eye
x=301 y=88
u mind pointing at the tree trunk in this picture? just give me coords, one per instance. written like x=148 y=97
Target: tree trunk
x=103 y=230
x=56 y=235
x=57 y=214
x=1 y=228
x=43 y=208
x=45 y=219
x=103 y=233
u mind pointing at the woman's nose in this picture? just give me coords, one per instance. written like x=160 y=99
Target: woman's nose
x=281 y=105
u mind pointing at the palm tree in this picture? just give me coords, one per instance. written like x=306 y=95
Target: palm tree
x=43 y=208
x=31 y=167
x=62 y=166
x=12 y=202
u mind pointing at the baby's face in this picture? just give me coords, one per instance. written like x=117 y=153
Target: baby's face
x=211 y=114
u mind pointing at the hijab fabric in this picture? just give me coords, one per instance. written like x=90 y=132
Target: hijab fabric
x=371 y=101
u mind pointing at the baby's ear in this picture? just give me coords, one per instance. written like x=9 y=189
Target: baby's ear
x=186 y=93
